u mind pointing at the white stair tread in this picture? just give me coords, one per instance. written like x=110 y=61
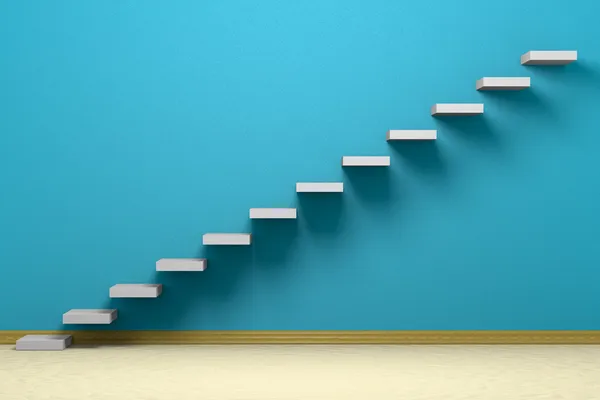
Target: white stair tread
x=457 y=109
x=233 y=239
x=412 y=134
x=320 y=187
x=366 y=161
x=44 y=342
x=549 y=57
x=89 y=316
x=273 y=213
x=135 y=290
x=181 y=264
x=502 y=83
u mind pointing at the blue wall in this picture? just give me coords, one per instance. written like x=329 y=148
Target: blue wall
x=128 y=129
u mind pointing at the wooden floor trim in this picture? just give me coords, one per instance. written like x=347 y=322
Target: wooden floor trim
x=318 y=337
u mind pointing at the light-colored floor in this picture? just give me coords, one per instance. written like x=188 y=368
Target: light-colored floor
x=302 y=373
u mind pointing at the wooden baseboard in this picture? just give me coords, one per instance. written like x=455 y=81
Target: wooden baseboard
x=318 y=337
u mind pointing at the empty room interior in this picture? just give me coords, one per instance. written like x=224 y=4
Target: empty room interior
x=318 y=200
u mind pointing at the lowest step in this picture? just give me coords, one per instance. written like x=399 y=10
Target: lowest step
x=44 y=342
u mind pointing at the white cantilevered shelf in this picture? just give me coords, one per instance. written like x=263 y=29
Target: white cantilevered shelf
x=366 y=161
x=181 y=264
x=458 y=109
x=502 y=83
x=411 y=135
x=319 y=187
x=549 y=57
x=135 y=290
x=89 y=316
x=273 y=213
x=226 y=239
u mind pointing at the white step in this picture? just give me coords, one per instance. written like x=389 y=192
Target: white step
x=457 y=109
x=320 y=187
x=546 y=57
x=181 y=264
x=44 y=342
x=366 y=161
x=498 y=83
x=412 y=135
x=89 y=316
x=273 y=213
x=134 y=290
x=231 y=239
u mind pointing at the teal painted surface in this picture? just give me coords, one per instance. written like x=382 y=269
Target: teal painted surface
x=128 y=129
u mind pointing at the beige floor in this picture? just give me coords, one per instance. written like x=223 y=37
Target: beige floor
x=302 y=373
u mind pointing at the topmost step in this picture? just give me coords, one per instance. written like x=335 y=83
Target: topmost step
x=537 y=57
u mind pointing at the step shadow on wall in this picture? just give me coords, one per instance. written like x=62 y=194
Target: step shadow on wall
x=322 y=214
x=273 y=243
x=475 y=130
x=371 y=185
x=582 y=74
x=528 y=103
x=201 y=293
x=423 y=157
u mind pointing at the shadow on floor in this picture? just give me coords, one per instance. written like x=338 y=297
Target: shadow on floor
x=86 y=346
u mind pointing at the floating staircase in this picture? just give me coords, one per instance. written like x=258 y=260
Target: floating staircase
x=101 y=316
